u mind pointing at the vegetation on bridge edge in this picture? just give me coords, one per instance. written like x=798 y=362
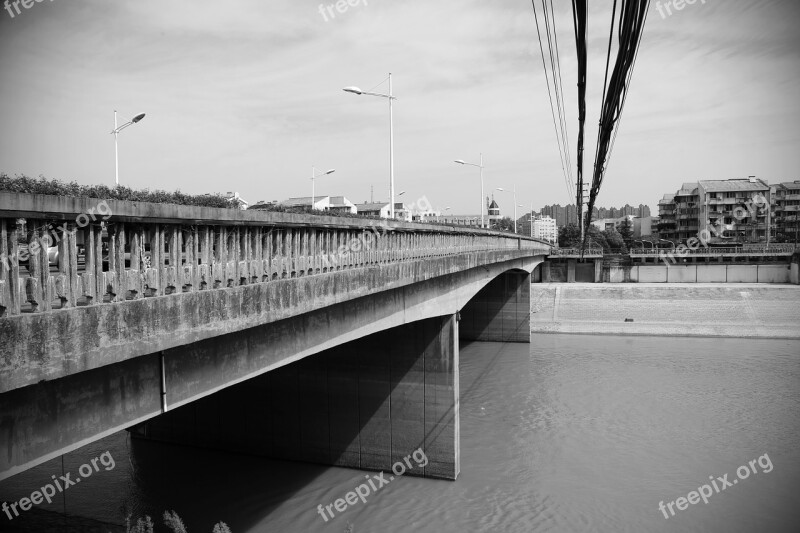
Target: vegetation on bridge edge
x=55 y=187
x=21 y=183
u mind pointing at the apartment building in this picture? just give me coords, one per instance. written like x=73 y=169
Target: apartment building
x=785 y=219
x=728 y=209
x=545 y=228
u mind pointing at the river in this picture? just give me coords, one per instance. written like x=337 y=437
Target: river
x=571 y=433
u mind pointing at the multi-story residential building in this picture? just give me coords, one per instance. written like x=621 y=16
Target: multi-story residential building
x=564 y=215
x=686 y=212
x=740 y=206
x=785 y=220
x=545 y=228
x=613 y=212
x=732 y=211
x=667 y=227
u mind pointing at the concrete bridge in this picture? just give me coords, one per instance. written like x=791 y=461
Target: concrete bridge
x=305 y=337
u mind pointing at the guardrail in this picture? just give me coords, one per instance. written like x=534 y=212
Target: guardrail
x=744 y=250
x=65 y=252
x=576 y=252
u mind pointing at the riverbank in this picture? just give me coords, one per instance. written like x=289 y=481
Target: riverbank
x=674 y=310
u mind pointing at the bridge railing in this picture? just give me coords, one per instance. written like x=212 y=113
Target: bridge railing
x=66 y=252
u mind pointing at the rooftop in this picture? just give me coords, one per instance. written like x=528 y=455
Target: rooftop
x=734 y=185
x=687 y=189
x=303 y=200
x=371 y=206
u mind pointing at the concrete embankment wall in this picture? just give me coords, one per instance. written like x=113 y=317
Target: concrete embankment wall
x=744 y=310
x=710 y=273
x=559 y=272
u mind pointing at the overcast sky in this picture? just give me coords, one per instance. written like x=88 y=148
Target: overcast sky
x=246 y=95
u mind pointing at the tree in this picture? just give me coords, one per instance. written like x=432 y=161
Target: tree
x=597 y=239
x=615 y=240
x=504 y=224
x=626 y=232
x=569 y=236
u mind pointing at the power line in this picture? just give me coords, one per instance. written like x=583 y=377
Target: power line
x=559 y=89
x=560 y=138
x=632 y=17
x=579 y=17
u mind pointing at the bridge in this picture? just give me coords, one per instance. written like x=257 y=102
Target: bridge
x=305 y=337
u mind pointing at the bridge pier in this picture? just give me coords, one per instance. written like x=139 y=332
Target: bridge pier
x=501 y=311
x=367 y=404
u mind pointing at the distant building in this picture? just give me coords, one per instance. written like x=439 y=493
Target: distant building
x=644 y=226
x=382 y=210
x=320 y=203
x=235 y=199
x=374 y=209
x=455 y=220
x=608 y=223
x=341 y=204
x=569 y=214
x=494 y=212
x=425 y=216
x=401 y=212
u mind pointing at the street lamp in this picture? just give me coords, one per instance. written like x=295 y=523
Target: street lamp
x=116 y=131
x=515 y=204
x=531 y=219
x=390 y=97
x=480 y=166
x=313 y=183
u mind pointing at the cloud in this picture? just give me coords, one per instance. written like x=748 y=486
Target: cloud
x=247 y=95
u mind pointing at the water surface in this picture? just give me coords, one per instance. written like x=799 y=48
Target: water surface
x=570 y=433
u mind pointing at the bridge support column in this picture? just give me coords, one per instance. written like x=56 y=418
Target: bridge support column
x=546 y=275
x=370 y=404
x=501 y=311
x=571 y=266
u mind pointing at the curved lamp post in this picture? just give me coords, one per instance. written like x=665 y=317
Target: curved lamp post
x=515 y=204
x=314 y=180
x=390 y=97
x=116 y=131
x=480 y=166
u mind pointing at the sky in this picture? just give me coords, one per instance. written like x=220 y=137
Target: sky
x=246 y=96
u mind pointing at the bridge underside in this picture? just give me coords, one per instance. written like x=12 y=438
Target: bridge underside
x=382 y=382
